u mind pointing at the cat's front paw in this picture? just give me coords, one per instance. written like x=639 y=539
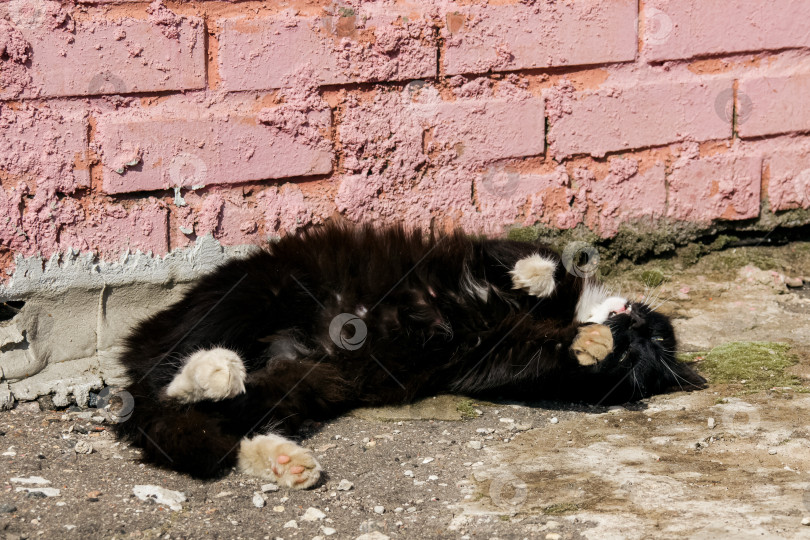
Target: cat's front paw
x=278 y=459
x=215 y=374
x=592 y=344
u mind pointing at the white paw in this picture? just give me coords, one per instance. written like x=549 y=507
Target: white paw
x=215 y=374
x=535 y=275
x=278 y=459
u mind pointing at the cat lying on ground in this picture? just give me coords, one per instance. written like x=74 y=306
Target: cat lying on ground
x=339 y=317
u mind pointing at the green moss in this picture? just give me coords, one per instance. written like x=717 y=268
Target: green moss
x=561 y=508
x=652 y=277
x=757 y=365
x=346 y=12
x=466 y=408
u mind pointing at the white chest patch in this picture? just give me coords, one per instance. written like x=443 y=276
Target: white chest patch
x=596 y=305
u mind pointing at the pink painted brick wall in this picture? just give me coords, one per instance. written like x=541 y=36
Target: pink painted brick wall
x=134 y=126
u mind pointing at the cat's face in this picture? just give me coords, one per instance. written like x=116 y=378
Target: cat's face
x=644 y=345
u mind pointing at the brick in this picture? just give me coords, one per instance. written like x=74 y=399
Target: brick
x=615 y=119
x=789 y=180
x=486 y=130
x=718 y=187
x=508 y=37
x=256 y=54
x=172 y=149
x=775 y=105
x=626 y=195
x=110 y=230
x=44 y=143
x=113 y=57
x=677 y=29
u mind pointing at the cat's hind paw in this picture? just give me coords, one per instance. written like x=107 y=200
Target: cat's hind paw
x=535 y=275
x=280 y=460
x=592 y=344
x=214 y=374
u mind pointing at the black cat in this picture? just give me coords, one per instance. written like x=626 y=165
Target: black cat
x=339 y=317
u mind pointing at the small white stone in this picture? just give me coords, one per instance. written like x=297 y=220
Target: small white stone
x=266 y=488
x=427 y=460
x=772 y=451
x=278 y=509
x=345 y=485
x=408 y=473
x=553 y=536
x=258 y=500
x=328 y=531
x=711 y=423
x=433 y=477
x=48 y=492
x=507 y=420
x=552 y=525
x=475 y=445
x=806 y=521
x=83 y=447
x=30 y=480
x=291 y=524
x=172 y=499
x=379 y=509
x=398 y=510
x=313 y=514
x=554 y=420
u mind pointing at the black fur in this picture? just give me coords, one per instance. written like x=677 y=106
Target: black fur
x=425 y=333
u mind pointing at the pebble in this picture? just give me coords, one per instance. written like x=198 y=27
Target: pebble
x=772 y=451
x=433 y=477
x=7 y=508
x=552 y=525
x=291 y=524
x=553 y=536
x=554 y=420
x=711 y=423
x=398 y=510
x=408 y=473
x=427 y=460
x=805 y=521
x=83 y=447
x=278 y=509
x=475 y=445
x=267 y=488
x=379 y=509
x=328 y=531
x=345 y=485
x=313 y=514
x=160 y=495
x=507 y=420
x=258 y=500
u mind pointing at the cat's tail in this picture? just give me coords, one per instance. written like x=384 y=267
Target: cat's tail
x=181 y=437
